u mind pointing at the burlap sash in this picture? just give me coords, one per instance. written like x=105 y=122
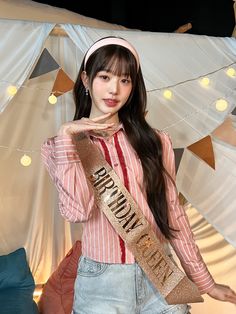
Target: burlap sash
x=130 y=223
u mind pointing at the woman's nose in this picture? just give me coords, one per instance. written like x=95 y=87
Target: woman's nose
x=113 y=87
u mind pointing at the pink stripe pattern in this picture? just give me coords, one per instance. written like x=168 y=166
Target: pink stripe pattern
x=76 y=201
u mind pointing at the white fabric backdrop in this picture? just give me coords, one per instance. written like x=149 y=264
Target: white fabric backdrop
x=178 y=61
x=28 y=200
x=20 y=46
x=211 y=191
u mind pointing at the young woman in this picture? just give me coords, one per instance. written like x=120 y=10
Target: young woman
x=110 y=98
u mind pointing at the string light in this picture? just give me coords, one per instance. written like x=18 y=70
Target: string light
x=12 y=90
x=167 y=93
x=231 y=72
x=228 y=67
x=193 y=79
x=30 y=151
x=195 y=112
x=52 y=99
x=221 y=104
x=205 y=81
x=25 y=160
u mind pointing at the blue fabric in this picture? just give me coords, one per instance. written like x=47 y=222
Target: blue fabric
x=16 y=284
x=102 y=288
x=16 y=301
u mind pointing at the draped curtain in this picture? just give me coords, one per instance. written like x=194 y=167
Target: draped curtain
x=177 y=62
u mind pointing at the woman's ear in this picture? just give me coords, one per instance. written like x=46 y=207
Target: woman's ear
x=85 y=80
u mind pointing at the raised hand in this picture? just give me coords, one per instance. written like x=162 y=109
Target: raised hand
x=86 y=124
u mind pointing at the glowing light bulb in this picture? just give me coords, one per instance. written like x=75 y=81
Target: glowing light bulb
x=25 y=160
x=52 y=99
x=231 y=72
x=221 y=104
x=205 y=81
x=167 y=94
x=12 y=90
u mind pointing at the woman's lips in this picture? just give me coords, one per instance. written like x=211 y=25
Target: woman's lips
x=110 y=102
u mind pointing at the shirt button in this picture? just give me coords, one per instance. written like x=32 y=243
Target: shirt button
x=115 y=165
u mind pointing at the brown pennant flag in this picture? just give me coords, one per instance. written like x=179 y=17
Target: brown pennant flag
x=226 y=132
x=204 y=150
x=182 y=199
x=62 y=84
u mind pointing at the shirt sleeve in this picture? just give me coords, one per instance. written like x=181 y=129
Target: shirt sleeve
x=61 y=159
x=184 y=243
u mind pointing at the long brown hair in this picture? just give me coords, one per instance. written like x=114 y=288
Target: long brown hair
x=143 y=138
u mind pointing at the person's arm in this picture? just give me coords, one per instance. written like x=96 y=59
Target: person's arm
x=61 y=158
x=76 y=199
x=184 y=243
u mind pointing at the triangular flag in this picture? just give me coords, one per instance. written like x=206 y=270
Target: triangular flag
x=234 y=111
x=204 y=150
x=182 y=199
x=62 y=84
x=226 y=132
x=178 y=155
x=45 y=64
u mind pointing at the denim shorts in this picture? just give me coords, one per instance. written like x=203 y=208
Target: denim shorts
x=102 y=288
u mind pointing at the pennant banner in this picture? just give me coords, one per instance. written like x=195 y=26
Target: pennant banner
x=226 y=132
x=178 y=155
x=45 y=64
x=204 y=150
x=182 y=199
x=234 y=111
x=62 y=84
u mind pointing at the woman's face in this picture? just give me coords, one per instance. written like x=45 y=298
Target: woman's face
x=109 y=94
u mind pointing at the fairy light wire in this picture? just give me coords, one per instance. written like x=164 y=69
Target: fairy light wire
x=29 y=151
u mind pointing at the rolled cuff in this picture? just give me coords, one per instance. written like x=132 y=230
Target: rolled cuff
x=204 y=281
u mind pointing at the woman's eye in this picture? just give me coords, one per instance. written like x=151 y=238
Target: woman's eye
x=104 y=77
x=125 y=81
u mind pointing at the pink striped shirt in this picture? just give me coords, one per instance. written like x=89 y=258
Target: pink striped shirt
x=76 y=201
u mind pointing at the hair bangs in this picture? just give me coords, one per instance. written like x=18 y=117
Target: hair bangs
x=116 y=60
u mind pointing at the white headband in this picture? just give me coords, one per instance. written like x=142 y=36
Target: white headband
x=111 y=41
